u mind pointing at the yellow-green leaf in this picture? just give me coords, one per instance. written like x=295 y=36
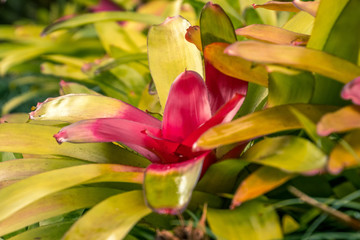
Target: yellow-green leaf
x=117 y=215
x=23 y=193
x=54 y=205
x=278 y=6
x=258 y=183
x=166 y=62
x=297 y=57
x=234 y=66
x=102 y=16
x=283 y=153
x=346 y=153
x=272 y=34
x=260 y=123
x=253 y=220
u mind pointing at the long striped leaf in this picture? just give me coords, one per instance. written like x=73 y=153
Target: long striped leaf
x=298 y=57
x=23 y=193
x=102 y=16
x=54 y=205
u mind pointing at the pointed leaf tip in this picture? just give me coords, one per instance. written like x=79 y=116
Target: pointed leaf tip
x=60 y=137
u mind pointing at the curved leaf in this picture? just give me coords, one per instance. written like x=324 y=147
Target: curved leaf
x=346 y=153
x=166 y=62
x=76 y=107
x=272 y=34
x=252 y=220
x=298 y=57
x=234 y=66
x=23 y=193
x=111 y=219
x=343 y=120
x=54 y=205
x=71 y=87
x=102 y=16
x=48 y=232
x=278 y=6
x=283 y=153
x=258 y=183
x=15 y=170
x=259 y=123
x=37 y=139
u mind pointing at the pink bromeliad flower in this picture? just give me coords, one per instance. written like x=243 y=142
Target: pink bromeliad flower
x=193 y=106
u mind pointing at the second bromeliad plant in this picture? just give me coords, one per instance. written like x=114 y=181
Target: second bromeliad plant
x=180 y=147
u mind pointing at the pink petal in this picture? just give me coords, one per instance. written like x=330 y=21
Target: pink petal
x=130 y=133
x=223 y=115
x=351 y=91
x=187 y=106
x=222 y=87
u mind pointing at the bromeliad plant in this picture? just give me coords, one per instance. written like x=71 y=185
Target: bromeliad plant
x=292 y=82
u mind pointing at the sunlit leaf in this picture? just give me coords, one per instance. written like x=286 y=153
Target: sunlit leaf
x=289 y=86
x=346 y=153
x=64 y=71
x=76 y=107
x=23 y=193
x=71 y=87
x=168 y=187
x=15 y=118
x=284 y=153
x=272 y=34
x=102 y=16
x=21 y=55
x=54 y=205
x=234 y=66
x=298 y=57
x=38 y=139
x=166 y=62
x=278 y=6
x=343 y=120
x=258 y=183
x=252 y=220
x=111 y=219
x=15 y=170
x=260 y=123
x=302 y=22
x=266 y=16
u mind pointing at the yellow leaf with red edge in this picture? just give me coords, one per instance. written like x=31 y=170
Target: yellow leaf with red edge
x=343 y=120
x=278 y=6
x=297 y=57
x=346 y=154
x=272 y=34
x=234 y=66
x=258 y=183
